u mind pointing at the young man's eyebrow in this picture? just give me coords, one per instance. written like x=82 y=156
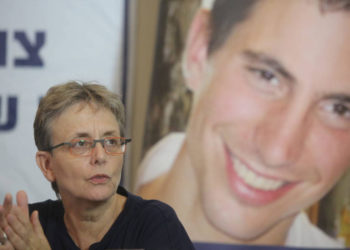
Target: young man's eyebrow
x=339 y=97
x=268 y=60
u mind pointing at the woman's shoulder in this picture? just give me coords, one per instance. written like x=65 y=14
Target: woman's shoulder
x=50 y=212
x=45 y=206
x=142 y=206
x=158 y=221
x=154 y=213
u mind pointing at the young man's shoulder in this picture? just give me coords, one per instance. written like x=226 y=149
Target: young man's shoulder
x=159 y=159
x=304 y=234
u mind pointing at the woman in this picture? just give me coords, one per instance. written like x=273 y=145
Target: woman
x=79 y=132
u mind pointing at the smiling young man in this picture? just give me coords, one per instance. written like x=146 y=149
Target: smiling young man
x=269 y=132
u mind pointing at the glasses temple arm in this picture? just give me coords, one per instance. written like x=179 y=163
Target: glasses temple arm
x=58 y=145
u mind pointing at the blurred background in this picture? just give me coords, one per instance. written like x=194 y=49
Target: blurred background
x=134 y=47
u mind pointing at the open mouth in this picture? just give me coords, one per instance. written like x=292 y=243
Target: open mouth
x=252 y=187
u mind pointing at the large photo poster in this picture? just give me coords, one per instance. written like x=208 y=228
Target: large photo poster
x=43 y=43
x=240 y=139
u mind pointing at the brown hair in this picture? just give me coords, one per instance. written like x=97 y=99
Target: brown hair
x=226 y=14
x=60 y=97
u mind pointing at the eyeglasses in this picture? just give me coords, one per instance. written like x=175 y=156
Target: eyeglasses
x=84 y=146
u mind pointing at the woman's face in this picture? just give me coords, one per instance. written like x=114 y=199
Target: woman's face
x=94 y=177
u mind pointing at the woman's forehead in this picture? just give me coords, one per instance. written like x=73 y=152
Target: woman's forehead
x=84 y=118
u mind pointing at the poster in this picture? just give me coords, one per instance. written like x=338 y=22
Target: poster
x=170 y=106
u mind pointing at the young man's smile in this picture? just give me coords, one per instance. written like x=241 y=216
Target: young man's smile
x=251 y=187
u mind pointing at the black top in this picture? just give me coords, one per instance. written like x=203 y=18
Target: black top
x=220 y=246
x=143 y=224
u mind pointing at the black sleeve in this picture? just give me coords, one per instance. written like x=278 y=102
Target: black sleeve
x=43 y=209
x=163 y=229
x=49 y=213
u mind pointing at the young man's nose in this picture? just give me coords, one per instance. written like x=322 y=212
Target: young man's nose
x=281 y=139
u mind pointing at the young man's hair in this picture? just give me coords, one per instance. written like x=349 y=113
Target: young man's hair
x=226 y=14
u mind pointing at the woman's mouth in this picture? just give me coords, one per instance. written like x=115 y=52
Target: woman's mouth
x=99 y=179
x=251 y=187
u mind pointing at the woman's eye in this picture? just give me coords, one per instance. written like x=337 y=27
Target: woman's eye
x=80 y=143
x=113 y=142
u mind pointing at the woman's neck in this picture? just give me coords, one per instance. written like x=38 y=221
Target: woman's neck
x=87 y=223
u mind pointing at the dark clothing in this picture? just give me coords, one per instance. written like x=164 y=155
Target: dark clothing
x=143 y=224
x=219 y=246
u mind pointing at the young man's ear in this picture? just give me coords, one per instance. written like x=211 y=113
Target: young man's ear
x=43 y=160
x=195 y=56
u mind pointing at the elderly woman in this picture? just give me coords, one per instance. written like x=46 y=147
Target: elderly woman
x=79 y=132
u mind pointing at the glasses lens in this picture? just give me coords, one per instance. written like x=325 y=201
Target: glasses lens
x=114 y=145
x=81 y=146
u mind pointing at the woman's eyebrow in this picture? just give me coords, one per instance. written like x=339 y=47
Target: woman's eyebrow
x=109 y=133
x=87 y=135
x=82 y=134
x=263 y=58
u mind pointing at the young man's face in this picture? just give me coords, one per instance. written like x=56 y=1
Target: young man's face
x=270 y=130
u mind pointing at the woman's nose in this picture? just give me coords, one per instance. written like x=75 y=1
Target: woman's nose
x=98 y=154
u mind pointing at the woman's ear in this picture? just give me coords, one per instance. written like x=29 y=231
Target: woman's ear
x=44 y=162
x=195 y=56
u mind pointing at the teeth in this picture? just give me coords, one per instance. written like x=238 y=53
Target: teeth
x=254 y=180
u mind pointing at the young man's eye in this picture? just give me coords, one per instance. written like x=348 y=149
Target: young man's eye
x=265 y=75
x=337 y=113
x=269 y=76
x=338 y=108
x=341 y=110
x=266 y=82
